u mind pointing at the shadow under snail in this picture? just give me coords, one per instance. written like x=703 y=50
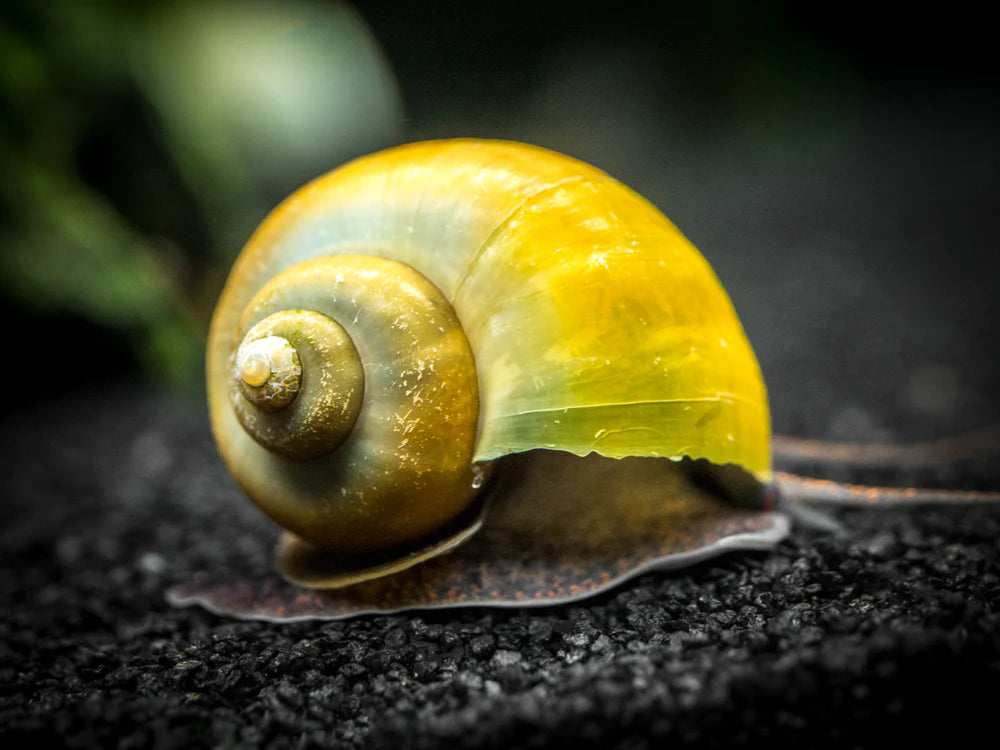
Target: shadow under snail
x=490 y=350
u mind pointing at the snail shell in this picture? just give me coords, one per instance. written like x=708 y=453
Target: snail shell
x=399 y=323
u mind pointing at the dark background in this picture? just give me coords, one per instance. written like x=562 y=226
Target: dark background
x=785 y=140
x=838 y=166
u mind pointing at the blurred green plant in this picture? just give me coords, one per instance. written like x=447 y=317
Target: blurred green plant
x=140 y=145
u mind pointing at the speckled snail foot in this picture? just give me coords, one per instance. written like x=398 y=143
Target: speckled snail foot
x=492 y=350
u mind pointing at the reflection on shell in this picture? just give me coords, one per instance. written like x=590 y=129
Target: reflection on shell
x=506 y=296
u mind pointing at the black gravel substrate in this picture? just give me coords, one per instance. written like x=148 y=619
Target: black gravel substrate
x=891 y=633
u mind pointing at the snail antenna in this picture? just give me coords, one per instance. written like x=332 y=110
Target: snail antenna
x=797 y=490
x=978 y=443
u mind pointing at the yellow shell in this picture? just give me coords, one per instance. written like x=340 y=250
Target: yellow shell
x=503 y=298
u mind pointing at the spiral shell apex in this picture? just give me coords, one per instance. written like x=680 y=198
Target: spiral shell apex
x=403 y=319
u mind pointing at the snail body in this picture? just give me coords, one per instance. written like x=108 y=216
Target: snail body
x=399 y=324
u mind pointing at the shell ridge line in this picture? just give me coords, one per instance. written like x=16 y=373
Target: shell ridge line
x=486 y=243
x=605 y=434
x=720 y=398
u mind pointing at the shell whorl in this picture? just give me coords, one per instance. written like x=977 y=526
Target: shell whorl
x=593 y=324
x=267 y=377
x=375 y=448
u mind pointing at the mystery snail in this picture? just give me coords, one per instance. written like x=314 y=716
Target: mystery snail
x=489 y=349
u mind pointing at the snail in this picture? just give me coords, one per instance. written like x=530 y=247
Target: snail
x=490 y=350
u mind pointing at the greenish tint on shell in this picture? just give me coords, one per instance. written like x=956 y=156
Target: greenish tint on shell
x=595 y=325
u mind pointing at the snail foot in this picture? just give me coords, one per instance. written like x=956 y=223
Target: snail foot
x=561 y=528
x=305 y=564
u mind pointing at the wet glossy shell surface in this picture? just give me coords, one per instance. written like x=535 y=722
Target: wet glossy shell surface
x=596 y=326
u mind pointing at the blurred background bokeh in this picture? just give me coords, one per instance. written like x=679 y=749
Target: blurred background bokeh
x=141 y=143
